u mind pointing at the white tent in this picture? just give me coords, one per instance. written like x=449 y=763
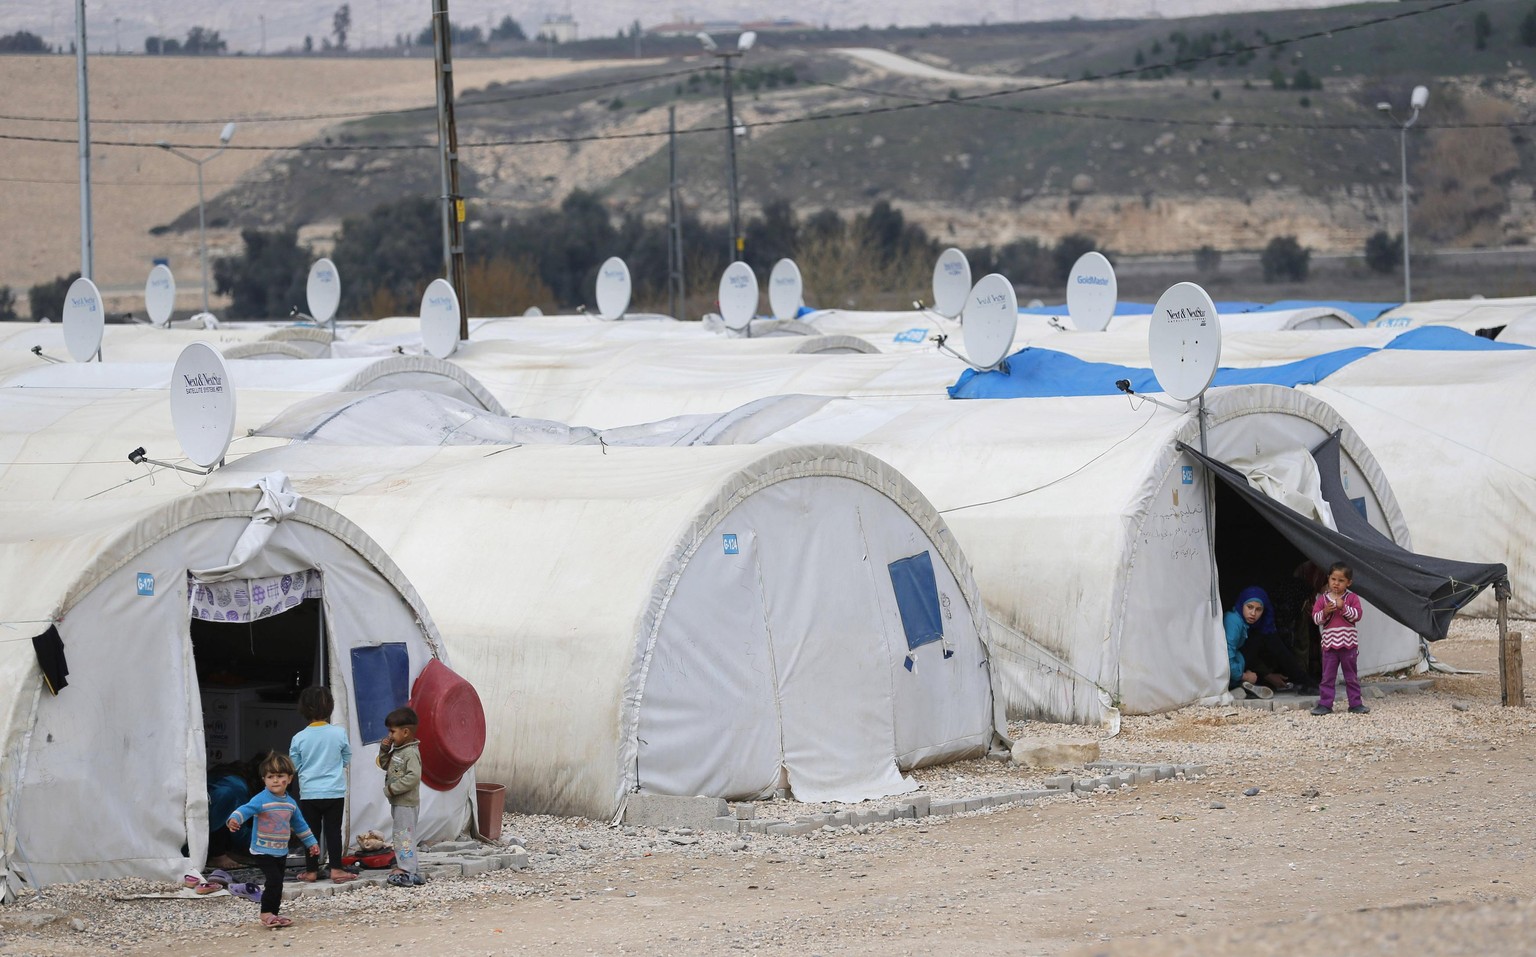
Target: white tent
x=106 y=779
x=144 y=343
x=1453 y=431
x=1468 y=314
x=1086 y=528
x=677 y=621
x=313 y=375
x=1302 y=319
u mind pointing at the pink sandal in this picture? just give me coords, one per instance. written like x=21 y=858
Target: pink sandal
x=275 y=921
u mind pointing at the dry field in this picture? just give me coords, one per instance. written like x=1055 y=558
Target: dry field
x=138 y=187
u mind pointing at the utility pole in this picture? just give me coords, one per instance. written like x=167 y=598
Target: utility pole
x=677 y=289
x=448 y=147
x=738 y=242
x=82 y=88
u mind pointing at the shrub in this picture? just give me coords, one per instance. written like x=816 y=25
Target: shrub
x=1383 y=252
x=1284 y=258
x=1207 y=259
x=47 y=298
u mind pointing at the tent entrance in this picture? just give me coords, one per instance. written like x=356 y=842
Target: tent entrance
x=1251 y=551
x=250 y=670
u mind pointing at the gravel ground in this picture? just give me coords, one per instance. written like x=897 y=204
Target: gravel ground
x=1242 y=748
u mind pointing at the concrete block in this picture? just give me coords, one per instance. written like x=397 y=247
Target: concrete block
x=1054 y=754
x=757 y=826
x=1061 y=782
x=1165 y=772
x=797 y=829
x=921 y=804
x=903 y=812
x=727 y=824
x=663 y=810
x=442 y=847
x=745 y=811
x=1194 y=770
x=945 y=807
x=437 y=872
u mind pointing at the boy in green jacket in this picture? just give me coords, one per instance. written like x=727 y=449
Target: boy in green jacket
x=400 y=758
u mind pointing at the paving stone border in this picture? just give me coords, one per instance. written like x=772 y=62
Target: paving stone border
x=742 y=818
x=443 y=860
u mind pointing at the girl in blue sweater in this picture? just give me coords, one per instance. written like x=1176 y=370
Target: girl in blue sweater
x=277 y=819
x=321 y=755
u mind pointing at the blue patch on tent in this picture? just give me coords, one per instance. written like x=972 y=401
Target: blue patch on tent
x=910 y=335
x=1359 y=504
x=731 y=545
x=381 y=682
x=146 y=584
x=917 y=598
x=1188 y=475
x=1448 y=339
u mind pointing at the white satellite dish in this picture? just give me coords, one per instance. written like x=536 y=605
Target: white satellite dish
x=951 y=283
x=83 y=320
x=613 y=288
x=1185 y=341
x=738 y=295
x=1092 y=292
x=785 y=289
x=990 y=320
x=323 y=291
x=160 y=295
x=533 y=312
x=202 y=404
x=440 y=319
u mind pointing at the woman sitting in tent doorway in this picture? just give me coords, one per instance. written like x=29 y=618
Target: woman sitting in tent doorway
x=1260 y=664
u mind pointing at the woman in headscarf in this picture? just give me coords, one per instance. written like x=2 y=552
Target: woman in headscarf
x=1259 y=663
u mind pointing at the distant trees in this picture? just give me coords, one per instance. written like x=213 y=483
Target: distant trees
x=47 y=298
x=1383 y=253
x=1285 y=259
x=1482 y=29
x=8 y=304
x=458 y=35
x=341 y=24
x=200 y=41
x=508 y=29
x=1528 y=28
x=1208 y=260
x=22 y=42
x=266 y=280
x=1028 y=262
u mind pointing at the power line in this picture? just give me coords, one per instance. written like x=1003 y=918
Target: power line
x=924 y=103
x=364 y=114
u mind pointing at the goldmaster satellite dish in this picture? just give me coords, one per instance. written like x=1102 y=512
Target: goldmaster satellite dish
x=613 y=288
x=990 y=319
x=1092 y=292
x=1185 y=341
x=785 y=289
x=738 y=295
x=440 y=319
x=202 y=404
x=323 y=291
x=83 y=320
x=951 y=283
x=160 y=295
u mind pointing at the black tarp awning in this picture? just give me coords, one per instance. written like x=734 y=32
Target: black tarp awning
x=1419 y=591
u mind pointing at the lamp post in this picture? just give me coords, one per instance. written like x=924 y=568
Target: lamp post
x=1417 y=102
x=202 y=223
x=743 y=44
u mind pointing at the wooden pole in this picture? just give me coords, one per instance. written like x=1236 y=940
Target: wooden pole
x=1511 y=660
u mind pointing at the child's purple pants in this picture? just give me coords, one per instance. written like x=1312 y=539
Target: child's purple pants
x=1333 y=660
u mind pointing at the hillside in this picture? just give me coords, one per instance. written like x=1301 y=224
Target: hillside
x=1209 y=152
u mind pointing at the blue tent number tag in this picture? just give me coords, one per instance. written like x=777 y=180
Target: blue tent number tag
x=730 y=544
x=146 y=584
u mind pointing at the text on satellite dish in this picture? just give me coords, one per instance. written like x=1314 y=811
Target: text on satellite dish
x=953 y=268
x=1092 y=281
x=203 y=382
x=84 y=302
x=443 y=301
x=996 y=299
x=737 y=281
x=1188 y=313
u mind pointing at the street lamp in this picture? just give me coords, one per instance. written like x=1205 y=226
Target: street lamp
x=1417 y=102
x=202 y=224
x=743 y=44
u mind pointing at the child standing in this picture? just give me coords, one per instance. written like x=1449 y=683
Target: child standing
x=1336 y=611
x=321 y=755
x=277 y=819
x=400 y=757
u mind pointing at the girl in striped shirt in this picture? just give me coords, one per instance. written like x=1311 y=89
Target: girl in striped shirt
x=1336 y=611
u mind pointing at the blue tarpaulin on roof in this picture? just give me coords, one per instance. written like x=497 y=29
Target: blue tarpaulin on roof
x=1042 y=373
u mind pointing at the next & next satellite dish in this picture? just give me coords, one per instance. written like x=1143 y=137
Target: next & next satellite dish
x=83 y=320
x=1092 y=292
x=323 y=291
x=1185 y=341
x=785 y=289
x=991 y=318
x=440 y=319
x=202 y=404
x=951 y=283
x=738 y=295
x=160 y=295
x=613 y=288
